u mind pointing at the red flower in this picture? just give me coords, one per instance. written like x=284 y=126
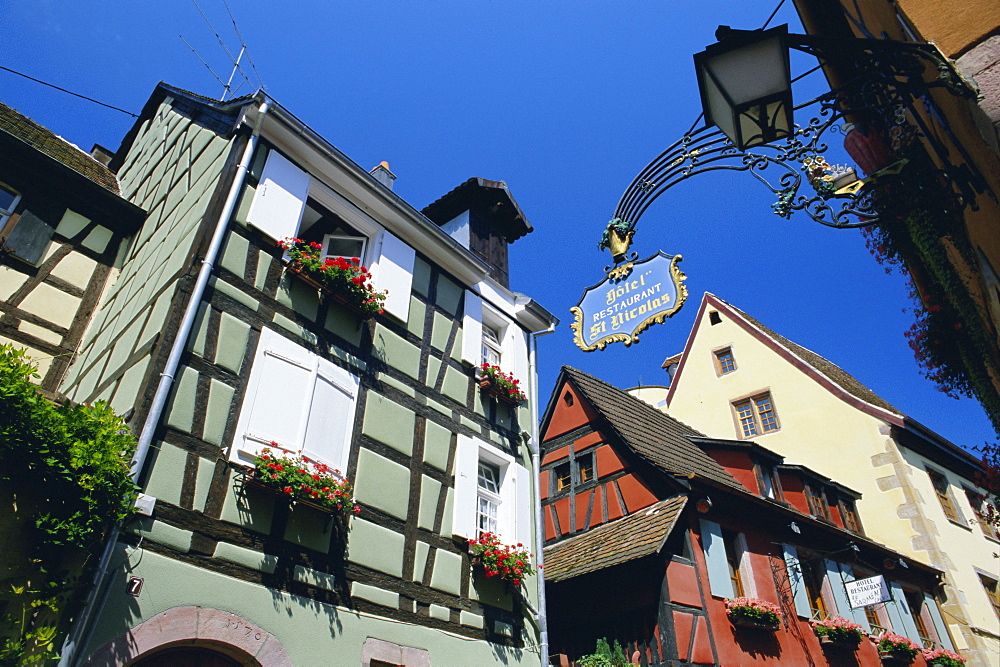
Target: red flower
x=288 y=490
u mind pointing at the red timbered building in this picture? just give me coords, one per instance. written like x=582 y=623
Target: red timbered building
x=650 y=527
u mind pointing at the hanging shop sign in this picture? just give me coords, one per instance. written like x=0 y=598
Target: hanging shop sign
x=865 y=592
x=634 y=296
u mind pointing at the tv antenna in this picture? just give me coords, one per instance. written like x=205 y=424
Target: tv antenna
x=227 y=86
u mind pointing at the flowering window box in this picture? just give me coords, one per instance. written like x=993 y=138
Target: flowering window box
x=301 y=481
x=501 y=386
x=341 y=279
x=838 y=632
x=895 y=649
x=753 y=614
x=508 y=563
x=944 y=657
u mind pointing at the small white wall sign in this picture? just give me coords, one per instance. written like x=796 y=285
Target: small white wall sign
x=865 y=592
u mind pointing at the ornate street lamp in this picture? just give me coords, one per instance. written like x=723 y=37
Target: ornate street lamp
x=746 y=92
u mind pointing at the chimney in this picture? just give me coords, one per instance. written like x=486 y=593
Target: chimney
x=382 y=174
x=101 y=154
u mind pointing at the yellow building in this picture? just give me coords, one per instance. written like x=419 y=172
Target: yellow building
x=736 y=378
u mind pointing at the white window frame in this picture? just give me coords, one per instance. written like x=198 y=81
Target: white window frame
x=491 y=498
x=390 y=259
x=345 y=237
x=514 y=506
x=249 y=439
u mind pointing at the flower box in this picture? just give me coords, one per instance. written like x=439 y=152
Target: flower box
x=754 y=614
x=495 y=391
x=895 y=657
x=839 y=642
x=502 y=386
x=752 y=624
x=344 y=300
x=301 y=481
x=943 y=657
x=343 y=279
x=508 y=563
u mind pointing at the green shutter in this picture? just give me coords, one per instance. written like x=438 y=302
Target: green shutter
x=840 y=574
x=942 y=629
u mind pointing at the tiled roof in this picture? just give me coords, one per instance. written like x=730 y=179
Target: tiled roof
x=634 y=536
x=652 y=434
x=838 y=375
x=45 y=141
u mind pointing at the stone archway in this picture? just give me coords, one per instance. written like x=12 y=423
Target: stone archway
x=212 y=633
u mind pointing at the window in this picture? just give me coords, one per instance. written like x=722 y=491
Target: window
x=849 y=512
x=492 y=492
x=492 y=350
x=876 y=623
x=724 y=361
x=812 y=579
x=992 y=592
x=915 y=603
x=768 y=481
x=562 y=474
x=940 y=484
x=8 y=202
x=585 y=468
x=734 y=554
x=288 y=202
x=756 y=415
x=982 y=511
x=714 y=318
x=299 y=401
x=488 y=498
x=817 y=501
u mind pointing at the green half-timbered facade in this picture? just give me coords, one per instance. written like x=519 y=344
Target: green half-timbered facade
x=266 y=359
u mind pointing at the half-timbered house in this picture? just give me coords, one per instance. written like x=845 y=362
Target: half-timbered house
x=63 y=223
x=651 y=528
x=214 y=346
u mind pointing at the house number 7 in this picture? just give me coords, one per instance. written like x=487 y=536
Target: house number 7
x=134 y=586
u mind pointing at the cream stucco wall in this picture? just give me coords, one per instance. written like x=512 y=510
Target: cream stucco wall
x=821 y=430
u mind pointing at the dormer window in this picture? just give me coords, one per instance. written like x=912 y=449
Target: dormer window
x=817 y=501
x=337 y=237
x=768 y=481
x=850 y=514
x=8 y=201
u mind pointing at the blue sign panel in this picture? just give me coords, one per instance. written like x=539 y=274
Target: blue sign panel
x=630 y=299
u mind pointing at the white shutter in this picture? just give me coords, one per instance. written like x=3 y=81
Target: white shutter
x=715 y=558
x=330 y=423
x=472 y=329
x=523 y=505
x=280 y=199
x=466 y=466
x=277 y=395
x=395 y=273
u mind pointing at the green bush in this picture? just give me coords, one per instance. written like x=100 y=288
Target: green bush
x=605 y=656
x=64 y=481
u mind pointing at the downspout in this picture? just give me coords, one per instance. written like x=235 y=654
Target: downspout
x=533 y=446
x=83 y=629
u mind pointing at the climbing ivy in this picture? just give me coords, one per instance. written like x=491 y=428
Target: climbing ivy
x=64 y=481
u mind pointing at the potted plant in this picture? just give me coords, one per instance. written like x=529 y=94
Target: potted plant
x=838 y=631
x=503 y=386
x=345 y=279
x=753 y=613
x=303 y=481
x=942 y=656
x=509 y=563
x=894 y=648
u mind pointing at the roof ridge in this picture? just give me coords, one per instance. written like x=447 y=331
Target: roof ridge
x=849 y=383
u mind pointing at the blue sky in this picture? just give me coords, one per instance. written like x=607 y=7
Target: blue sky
x=566 y=101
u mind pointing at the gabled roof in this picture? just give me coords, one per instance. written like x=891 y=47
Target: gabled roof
x=481 y=194
x=22 y=128
x=822 y=370
x=634 y=536
x=653 y=435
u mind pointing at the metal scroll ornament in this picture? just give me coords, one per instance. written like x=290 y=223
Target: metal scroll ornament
x=630 y=299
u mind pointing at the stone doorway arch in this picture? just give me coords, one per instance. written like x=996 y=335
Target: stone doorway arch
x=210 y=633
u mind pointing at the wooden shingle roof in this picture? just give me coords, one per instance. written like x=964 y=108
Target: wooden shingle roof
x=48 y=143
x=634 y=536
x=654 y=435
